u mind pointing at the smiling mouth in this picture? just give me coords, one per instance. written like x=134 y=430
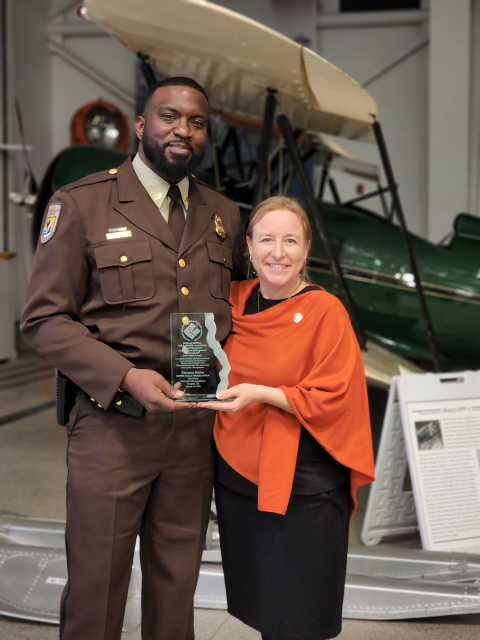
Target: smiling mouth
x=180 y=150
x=179 y=145
x=277 y=266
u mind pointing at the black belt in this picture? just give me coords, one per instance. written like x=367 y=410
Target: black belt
x=127 y=404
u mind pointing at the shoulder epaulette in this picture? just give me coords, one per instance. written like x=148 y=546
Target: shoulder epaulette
x=101 y=176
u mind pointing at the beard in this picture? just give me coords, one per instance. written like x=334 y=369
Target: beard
x=174 y=170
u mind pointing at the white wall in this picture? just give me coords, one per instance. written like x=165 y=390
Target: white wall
x=449 y=114
x=474 y=157
x=31 y=78
x=366 y=52
x=30 y=82
x=296 y=20
x=71 y=88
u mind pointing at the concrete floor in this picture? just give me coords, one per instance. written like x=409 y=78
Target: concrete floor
x=32 y=483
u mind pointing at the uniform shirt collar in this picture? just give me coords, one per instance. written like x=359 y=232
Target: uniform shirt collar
x=156 y=186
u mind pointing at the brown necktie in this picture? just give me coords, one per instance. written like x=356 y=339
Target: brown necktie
x=176 y=216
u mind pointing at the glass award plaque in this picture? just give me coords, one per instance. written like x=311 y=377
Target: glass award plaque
x=195 y=352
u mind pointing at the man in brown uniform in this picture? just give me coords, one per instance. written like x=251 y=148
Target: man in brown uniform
x=119 y=252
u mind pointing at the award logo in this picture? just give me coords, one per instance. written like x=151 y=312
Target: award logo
x=191 y=330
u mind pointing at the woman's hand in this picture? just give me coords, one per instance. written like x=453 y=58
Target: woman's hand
x=244 y=395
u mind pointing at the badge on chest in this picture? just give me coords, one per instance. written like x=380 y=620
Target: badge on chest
x=219 y=227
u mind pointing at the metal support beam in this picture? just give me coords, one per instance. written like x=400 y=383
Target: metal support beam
x=265 y=142
x=232 y=139
x=82 y=30
x=4 y=127
x=397 y=207
x=324 y=177
x=371 y=194
x=388 y=65
x=217 y=162
x=334 y=191
x=90 y=72
x=315 y=212
x=372 y=19
x=238 y=155
x=226 y=142
x=15 y=147
x=287 y=175
x=383 y=200
x=147 y=71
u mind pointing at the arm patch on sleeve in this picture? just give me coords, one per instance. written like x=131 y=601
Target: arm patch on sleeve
x=51 y=221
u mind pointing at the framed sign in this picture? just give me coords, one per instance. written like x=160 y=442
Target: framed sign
x=431 y=426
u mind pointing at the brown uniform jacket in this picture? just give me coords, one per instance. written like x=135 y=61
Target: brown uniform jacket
x=97 y=307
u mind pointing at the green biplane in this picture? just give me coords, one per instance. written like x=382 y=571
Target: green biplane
x=374 y=263
x=373 y=260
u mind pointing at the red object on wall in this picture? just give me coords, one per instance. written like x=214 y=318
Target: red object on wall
x=360 y=188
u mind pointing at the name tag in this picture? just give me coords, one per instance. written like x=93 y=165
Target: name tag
x=119 y=234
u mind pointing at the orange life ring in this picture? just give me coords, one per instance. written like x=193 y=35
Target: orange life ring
x=100 y=123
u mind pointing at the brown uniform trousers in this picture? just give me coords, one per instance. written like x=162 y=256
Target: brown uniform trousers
x=95 y=308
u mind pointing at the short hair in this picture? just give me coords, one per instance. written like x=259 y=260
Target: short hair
x=177 y=81
x=275 y=204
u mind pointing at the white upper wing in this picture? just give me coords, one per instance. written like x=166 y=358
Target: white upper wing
x=236 y=59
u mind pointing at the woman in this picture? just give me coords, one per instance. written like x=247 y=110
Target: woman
x=295 y=444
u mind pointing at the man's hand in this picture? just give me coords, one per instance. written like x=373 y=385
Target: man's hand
x=152 y=390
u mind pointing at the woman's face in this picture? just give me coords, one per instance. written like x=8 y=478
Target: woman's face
x=278 y=250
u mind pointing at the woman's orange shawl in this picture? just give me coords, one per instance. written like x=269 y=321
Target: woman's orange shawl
x=317 y=363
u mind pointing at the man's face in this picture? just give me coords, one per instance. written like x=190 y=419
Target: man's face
x=173 y=131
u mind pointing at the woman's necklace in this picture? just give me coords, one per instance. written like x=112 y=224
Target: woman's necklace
x=294 y=292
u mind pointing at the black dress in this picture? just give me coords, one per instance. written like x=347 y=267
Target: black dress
x=285 y=575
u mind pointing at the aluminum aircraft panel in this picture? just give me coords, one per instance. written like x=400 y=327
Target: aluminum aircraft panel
x=236 y=59
x=384 y=583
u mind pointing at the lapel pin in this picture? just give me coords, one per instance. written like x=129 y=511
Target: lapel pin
x=297 y=317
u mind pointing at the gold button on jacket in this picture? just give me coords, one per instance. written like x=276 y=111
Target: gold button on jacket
x=181 y=262
x=185 y=291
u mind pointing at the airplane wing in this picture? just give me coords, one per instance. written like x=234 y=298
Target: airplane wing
x=342 y=160
x=236 y=59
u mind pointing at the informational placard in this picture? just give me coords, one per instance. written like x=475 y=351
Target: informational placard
x=440 y=421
